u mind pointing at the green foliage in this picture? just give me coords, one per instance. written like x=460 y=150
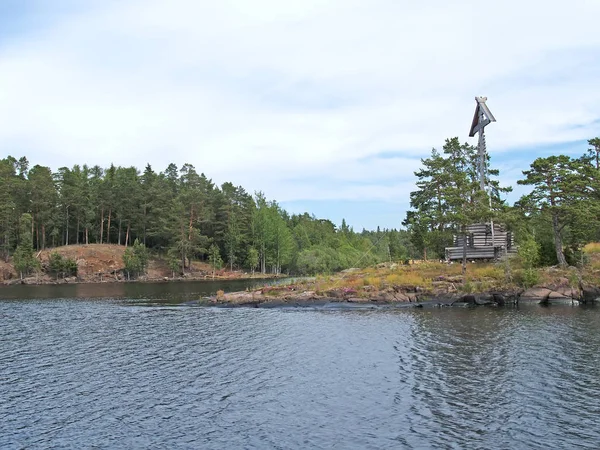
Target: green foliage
x=214 y=257
x=529 y=252
x=173 y=261
x=178 y=212
x=24 y=260
x=528 y=277
x=252 y=259
x=135 y=259
x=317 y=260
x=181 y=213
x=61 y=266
x=449 y=197
x=561 y=193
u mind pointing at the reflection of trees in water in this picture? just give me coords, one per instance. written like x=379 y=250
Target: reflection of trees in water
x=175 y=292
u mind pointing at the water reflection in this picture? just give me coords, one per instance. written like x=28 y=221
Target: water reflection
x=171 y=292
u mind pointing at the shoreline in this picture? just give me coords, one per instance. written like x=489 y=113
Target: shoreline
x=537 y=295
x=307 y=294
x=32 y=281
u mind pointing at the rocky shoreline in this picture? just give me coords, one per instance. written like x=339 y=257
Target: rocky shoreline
x=111 y=278
x=289 y=296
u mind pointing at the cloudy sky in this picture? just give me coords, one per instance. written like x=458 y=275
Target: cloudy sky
x=325 y=105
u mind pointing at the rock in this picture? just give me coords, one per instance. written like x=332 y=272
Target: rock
x=485 y=299
x=400 y=297
x=590 y=293
x=535 y=295
x=334 y=293
x=412 y=296
x=557 y=297
x=468 y=298
x=500 y=299
x=384 y=297
x=567 y=291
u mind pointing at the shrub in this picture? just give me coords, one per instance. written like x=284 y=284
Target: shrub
x=529 y=252
x=59 y=265
x=135 y=259
x=527 y=278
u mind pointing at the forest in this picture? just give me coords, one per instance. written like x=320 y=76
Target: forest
x=180 y=215
x=552 y=223
x=177 y=214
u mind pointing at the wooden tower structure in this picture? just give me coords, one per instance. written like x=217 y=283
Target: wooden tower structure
x=483 y=240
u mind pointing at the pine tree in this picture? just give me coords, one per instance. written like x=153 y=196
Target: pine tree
x=214 y=256
x=556 y=182
x=24 y=259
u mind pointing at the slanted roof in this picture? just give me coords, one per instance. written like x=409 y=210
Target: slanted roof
x=488 y=116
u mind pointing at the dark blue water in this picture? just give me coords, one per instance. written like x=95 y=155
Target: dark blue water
x=102 y=373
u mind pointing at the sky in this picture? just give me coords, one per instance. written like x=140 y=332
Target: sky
x=326 y=106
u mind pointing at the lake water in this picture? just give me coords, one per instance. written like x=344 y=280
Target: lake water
x=136 y=369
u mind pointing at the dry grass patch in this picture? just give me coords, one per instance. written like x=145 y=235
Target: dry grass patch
x=485 y=271
x=592 y=248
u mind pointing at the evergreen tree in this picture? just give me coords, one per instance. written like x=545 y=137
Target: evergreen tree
x=556 y=182
x=135 y=259
x=214 y=256
x=24 y=259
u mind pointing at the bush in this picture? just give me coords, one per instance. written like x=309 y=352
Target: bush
x=527 y=278
x=529 y=252
x=135 y=260
x=59 y=265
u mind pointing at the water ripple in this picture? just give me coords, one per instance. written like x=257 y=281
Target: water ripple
x=107 y=374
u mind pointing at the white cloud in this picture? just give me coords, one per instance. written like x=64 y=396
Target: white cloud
x=268 y=93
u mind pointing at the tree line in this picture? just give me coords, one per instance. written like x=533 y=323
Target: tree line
x=181 y=215
x=556 y=219
x=177 y=214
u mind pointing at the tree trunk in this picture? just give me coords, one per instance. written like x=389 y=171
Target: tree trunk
x=145 y=219
x=108 y=227
x=37 y=236
x=560 y=256
x=43 y=236
x=32 y=224
x=191 y=223
x=127 y=235
x=101 y=224
x=87 y=241
x=67 y=236
x=77 y=234
x=119 y=239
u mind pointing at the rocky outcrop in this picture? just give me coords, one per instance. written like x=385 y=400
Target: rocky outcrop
x=590 y=293
x=550 y=295
x=535 y=295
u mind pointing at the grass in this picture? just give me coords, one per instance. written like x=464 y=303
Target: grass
x=486 y=271
x=593 y=248
x=435 y=277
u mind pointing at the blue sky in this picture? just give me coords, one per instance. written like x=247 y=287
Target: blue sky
x=327 y=106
